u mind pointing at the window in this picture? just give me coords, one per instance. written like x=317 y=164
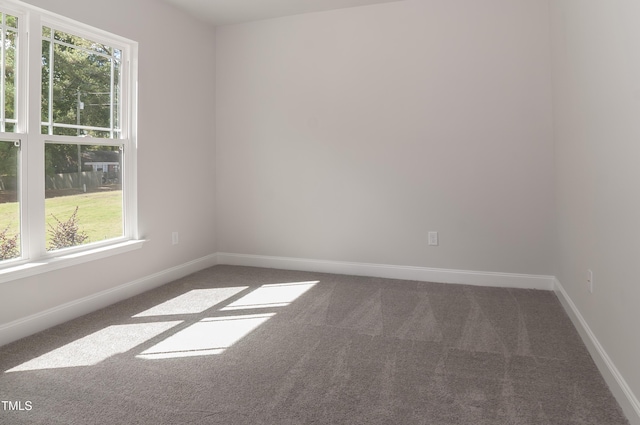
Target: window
x=10 y=246
x=67 y=138
x=80 y=86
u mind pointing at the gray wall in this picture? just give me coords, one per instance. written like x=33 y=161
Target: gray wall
x=348 y=135
x=597 y=108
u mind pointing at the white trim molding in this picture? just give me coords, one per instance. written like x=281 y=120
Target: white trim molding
x=617 y=384
x=30 y=325
x=466 y=277
x=73 y=258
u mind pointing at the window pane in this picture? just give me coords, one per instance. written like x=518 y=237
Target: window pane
x=8 y=48
x=64 y=131
x=116 y=92
x=10 y=44
x=84 y=98
x=83 y=43
x=46 y=73
x=83 y=191
x=9 y=206
x=12 y=21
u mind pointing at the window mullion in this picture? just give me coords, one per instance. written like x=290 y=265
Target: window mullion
x=33 y=149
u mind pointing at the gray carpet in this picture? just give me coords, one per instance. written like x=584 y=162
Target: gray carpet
x=229 y=346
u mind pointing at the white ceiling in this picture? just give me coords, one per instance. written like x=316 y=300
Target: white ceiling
x=223 y=12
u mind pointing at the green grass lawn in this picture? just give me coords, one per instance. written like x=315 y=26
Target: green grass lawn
x=99 y=214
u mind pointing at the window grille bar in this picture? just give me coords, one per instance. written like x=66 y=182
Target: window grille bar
x=73 y=46
x=84 y=141
x=82 y=127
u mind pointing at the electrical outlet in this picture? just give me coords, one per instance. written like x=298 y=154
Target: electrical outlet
x=590 y=280
x=174 y=238
x=433 y=238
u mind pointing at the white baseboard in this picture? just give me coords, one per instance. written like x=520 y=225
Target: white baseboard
x=507 y=280
x=40 y=321
x=617 y=384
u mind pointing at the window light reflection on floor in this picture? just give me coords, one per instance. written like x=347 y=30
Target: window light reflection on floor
x=207 y=337
x=98 y=346
x=193 y=302
x=271 y=295
x=214 y=335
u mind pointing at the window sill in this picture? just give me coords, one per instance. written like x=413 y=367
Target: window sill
x=33 y=268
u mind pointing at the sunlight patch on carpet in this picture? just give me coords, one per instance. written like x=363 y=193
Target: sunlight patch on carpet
x=272 y=295
x=207 y=337
x=97 y=347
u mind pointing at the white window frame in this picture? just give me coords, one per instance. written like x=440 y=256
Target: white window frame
x=35 y=258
